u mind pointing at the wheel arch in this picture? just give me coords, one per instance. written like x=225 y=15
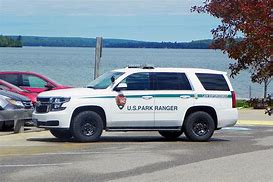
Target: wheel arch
x=208 y=109
x=99 y=110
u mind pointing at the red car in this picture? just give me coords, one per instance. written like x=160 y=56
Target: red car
x=32 y=82
x=12 y=88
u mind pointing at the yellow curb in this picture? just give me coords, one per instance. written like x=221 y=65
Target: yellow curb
x=254 y=122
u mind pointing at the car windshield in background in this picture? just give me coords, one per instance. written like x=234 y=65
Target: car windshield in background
x=104 y=80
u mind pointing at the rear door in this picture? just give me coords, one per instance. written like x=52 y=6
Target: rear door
x=173 y=96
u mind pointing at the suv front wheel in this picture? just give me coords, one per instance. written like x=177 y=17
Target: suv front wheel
x=199 y=126
x=87 y=126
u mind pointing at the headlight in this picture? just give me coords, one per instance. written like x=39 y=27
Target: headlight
x=15 y=102
x=57 y=102
x=3 y=101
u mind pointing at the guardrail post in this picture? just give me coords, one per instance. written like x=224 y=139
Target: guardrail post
x=18 y=126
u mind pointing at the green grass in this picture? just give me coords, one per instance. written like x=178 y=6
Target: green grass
x=242 y=103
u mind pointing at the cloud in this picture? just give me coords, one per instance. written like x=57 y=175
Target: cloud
x=96 y=7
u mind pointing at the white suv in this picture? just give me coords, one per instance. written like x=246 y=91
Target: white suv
x=168 y=100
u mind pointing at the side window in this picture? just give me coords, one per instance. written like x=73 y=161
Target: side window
x=33 y=81
x=171 y=81
x=213 y=81
x=138 y=81
x=11 y=78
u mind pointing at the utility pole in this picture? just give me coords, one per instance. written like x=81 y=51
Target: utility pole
x=98 y=54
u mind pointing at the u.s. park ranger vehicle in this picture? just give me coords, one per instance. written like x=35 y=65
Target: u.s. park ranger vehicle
x=168 y=100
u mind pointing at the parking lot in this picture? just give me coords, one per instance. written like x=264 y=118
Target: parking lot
x=240 y=153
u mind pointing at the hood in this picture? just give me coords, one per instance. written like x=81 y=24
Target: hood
x=13 y=95
x=70 y=92
x=32 y=96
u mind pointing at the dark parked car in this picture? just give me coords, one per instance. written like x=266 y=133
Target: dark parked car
x=12 y=105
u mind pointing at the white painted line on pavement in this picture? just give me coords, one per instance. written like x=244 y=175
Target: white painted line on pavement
x=237 y=128
x=85 y=153
x=77 y=153
x=34 y=165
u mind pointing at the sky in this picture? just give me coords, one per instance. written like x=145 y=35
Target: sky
x=148 y=20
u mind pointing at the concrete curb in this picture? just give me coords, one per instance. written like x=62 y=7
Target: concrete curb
x=254 y=123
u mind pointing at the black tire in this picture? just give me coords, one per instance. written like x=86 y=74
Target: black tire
x=61 y=133
x=171 y=134
x=87 y=126
x=199 y=126
x=8 y=125
x=1 y=125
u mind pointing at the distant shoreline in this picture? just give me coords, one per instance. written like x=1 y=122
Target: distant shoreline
x=37 y=41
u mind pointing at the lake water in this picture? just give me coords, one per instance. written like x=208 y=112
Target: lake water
x=74 y=66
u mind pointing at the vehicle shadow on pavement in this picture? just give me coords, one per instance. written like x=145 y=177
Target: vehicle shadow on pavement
x=118 y=139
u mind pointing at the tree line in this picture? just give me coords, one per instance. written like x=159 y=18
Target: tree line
x=110 y=43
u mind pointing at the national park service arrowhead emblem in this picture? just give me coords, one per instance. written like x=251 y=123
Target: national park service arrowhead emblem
x=121 y=101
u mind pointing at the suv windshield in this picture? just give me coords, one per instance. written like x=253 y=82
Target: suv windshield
x=104 y=80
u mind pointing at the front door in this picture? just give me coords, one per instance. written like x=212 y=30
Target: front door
x=33 y=83
x=132 y=108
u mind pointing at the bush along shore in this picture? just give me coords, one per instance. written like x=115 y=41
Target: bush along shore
x=10 y=42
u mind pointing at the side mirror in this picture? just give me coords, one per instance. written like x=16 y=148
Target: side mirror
x=49 y=86
x=121 y=86
x=113 y=79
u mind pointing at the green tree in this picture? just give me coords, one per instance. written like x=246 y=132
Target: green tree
x=9 y=42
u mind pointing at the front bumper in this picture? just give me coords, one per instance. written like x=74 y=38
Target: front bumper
x=41 y=124
x=56 y=119
x=16 y=114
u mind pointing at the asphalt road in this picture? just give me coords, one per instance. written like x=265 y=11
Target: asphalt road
x=242 y=153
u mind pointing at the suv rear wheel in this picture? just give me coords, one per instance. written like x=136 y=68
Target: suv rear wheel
x=61 y=133
x=170 y=134
x=199 y=126
x=87 y=126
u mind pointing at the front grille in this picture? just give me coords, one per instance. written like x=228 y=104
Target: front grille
x=43 y=105
x=28 y=104
x=42 y=108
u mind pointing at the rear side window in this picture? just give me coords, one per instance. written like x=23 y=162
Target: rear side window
x=171 y=81
x=213 y=81
x=11 y=78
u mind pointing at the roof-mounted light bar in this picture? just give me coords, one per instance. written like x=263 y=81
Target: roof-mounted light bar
x=141 y=66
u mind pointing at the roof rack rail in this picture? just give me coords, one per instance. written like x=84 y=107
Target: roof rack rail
x=142 y=66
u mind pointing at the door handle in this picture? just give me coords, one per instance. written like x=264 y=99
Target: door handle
x=185 y=96
x=147 y=97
